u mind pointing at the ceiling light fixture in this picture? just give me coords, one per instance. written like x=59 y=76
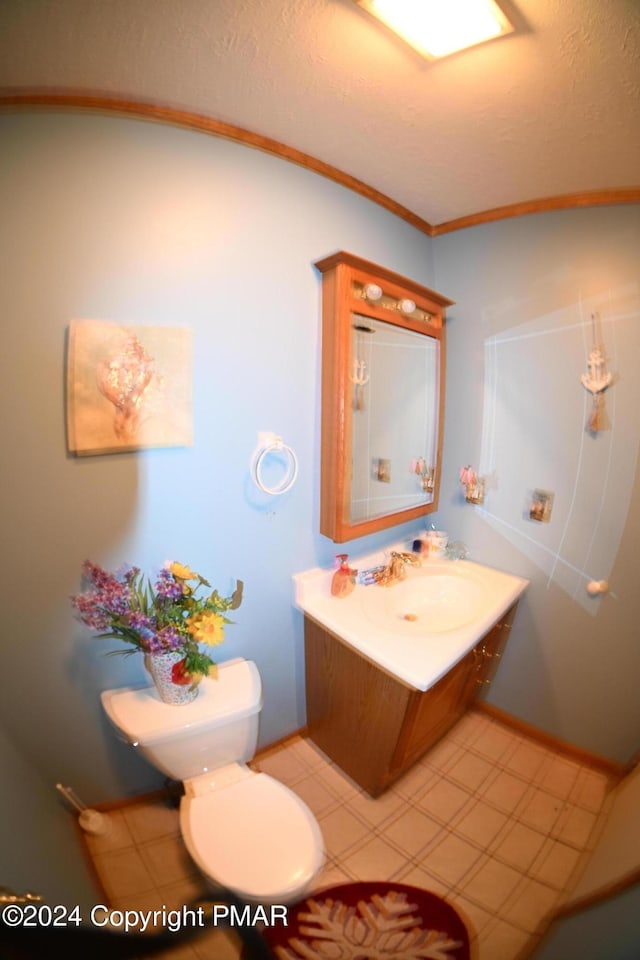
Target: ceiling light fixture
x=436 y=28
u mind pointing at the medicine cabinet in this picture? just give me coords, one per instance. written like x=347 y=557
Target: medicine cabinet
x=383 y=354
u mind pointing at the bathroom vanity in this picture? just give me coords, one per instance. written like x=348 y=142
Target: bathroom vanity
x=390 y=669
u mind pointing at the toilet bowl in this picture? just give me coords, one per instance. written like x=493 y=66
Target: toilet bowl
x=243 y=829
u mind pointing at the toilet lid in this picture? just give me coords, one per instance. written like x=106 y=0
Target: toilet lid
x=255 y=837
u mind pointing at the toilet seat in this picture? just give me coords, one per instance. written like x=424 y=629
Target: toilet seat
x=255 y=837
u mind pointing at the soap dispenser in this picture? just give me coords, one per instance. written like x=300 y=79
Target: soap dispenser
x=344 y=579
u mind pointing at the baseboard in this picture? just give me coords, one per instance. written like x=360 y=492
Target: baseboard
x=282 y=742
x=168 y=793
x=603 y=764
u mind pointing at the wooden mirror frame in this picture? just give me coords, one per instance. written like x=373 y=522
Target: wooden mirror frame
x=343 y=274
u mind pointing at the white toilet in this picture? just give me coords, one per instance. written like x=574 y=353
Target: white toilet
x=244 y=830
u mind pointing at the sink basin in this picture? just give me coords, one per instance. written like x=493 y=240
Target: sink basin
x=436 y=599
x=419 y=627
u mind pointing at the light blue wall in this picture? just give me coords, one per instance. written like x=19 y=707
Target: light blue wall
x=518 y=340
x=126 y=221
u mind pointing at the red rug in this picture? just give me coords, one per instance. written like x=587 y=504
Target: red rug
x=370 y=921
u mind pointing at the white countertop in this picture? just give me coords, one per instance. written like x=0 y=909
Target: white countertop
x=408 y=649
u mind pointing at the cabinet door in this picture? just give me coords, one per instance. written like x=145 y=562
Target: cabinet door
x=431 y=713
x=355 y=710
x=489 y=650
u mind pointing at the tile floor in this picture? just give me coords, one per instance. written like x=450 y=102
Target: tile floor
x=492 y=821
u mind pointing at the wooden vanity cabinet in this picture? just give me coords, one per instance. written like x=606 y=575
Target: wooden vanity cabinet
x=373 y=725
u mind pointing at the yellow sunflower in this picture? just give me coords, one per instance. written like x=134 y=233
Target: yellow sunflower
x=207 y=628
x=182 y=572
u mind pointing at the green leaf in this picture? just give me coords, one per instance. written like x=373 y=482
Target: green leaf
x=236 y=597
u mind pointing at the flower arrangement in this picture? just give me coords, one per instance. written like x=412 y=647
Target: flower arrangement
x=166 y=616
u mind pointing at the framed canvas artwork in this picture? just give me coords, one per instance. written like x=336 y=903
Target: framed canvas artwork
x=128 y=388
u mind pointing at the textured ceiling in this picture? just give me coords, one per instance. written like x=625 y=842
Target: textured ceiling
x=551 y=110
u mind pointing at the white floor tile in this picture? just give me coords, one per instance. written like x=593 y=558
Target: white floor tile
x=505 y=791
x=470 y=771
x=481 y=823
x=526 y=760
x=558 y=777
x=451 y=859
x=375 y=860
x=443 y=800
x=412 y=831
x=492 y=884
x=341 y=830
x=590 y=789
x=530 y=905
x=541 y=810
x=496 y=743
x=556 y=864
x=574 y=826
x=520 y=847
x=378 y=811
x=501 y=941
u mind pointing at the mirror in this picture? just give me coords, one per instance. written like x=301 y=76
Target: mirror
x=382 y=397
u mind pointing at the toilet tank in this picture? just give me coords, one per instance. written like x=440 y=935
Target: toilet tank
x=217 y=728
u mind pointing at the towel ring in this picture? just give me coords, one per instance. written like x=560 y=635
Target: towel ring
x=275 y=444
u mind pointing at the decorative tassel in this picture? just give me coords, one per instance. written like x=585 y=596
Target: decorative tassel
x=595 y=420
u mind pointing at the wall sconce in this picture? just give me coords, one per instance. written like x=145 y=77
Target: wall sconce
x=473 y=485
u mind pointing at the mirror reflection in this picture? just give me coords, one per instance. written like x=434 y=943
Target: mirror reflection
x=393 y=457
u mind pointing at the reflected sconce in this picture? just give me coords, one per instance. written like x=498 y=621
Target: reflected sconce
x=473 y=485
x=425 y=472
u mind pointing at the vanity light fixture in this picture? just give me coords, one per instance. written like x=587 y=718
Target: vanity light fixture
x=372 y=292
x=406 y=306
x=437 y=28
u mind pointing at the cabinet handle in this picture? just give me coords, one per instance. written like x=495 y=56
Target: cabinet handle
x=488 y=655
x=482 y=683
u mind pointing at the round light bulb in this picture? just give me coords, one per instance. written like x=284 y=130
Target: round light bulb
x=372 y=291
x=406 y=306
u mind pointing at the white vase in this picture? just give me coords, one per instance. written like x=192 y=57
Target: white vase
x=160 y=666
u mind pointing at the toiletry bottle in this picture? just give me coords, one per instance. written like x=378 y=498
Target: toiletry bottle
x=344 y=579
x=421 y=547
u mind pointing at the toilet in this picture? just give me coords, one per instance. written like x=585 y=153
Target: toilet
x=244 y=830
